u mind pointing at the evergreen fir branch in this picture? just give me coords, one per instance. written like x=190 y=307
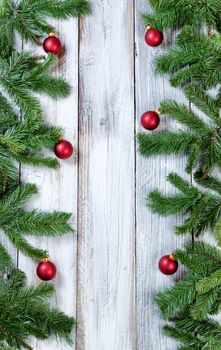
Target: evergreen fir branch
x=189 y=302
x=185 y=74
x=39 y=293
x=169 y=205
x=29 y=18
x=183 y=115
x=44 y=137
x=5 y=347
x=9 y=175
x=18 y=140
x=53 y=321
x=5 y=259
x=8 y=117
x=166 y=142
x=206 y=284
x=178 y=57
x=211 y=152
x=15 y=282
x=215 y=310
x=24 y=312
x=204 y=304
x=173 y=204
x=6 y=28
x=176 y=299
x=16 y=222
x=182 y=185
x=57 y=8
x=193 y=156
x=189 y=58
x=171 y=14
x=208 y=181
x=26 y=303
x=38 y=161
x=52 y=86
x=204 y=208
x=191 y=34
x=206 y=332
x=6 y=141
x=18 y=198
x=37 y=223
x=22 y=244
x=22 y=74
x=203 y=328
x=203 y=101
x=160 y=20
x=190 y=341
x=217 y=231
x=39 y=64
x=202 y=258
x=195 y=57
x=201 y=142
x=28 y=104
x=194 y=221
x=218 y=99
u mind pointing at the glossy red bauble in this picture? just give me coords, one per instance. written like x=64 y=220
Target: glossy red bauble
x=168 y=265
x=153 y=37
x=63 y=149
x=46 y=270
x=150 y=120
x=52 y=44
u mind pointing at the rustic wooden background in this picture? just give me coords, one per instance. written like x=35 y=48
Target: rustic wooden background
x=107 y=271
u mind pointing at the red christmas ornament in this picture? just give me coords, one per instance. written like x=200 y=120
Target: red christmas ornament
x=63 y=149
x=168 y=265
x=153 y=37
x=150 y=120
x=52 y=44
x=46 y=270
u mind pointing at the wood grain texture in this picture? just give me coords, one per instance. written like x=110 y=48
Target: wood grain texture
x=106 y=222
x=155 y=235
x=111 y=272
x=58 y=188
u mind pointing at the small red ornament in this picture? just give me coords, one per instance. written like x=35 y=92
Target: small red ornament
x=63 y=149
x=52 y=44
x=153 y=37
x=150 y=120
x=46 y=270
x=168 y=265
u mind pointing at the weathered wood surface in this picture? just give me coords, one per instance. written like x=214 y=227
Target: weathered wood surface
x=154 y=236
x=106 y=218
x=58 y=188
x=107 y=273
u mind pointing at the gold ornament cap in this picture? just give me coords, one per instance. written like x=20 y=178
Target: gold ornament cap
x=157 y=111
x=52 y=34
x=172 y=257
x=45 y=259
x=149 y=26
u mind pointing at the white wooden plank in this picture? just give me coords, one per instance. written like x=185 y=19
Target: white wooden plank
x=58 y=188
x=155 y=236
x=106 y=227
